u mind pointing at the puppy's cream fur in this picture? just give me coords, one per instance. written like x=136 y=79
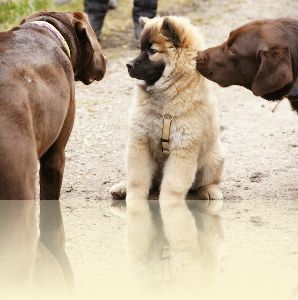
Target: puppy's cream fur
x=196 y=158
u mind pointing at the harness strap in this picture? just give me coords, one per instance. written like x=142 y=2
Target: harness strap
x=165 y=138
x=56 y=32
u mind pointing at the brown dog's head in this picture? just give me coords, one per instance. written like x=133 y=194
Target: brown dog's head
x=256 y=56
x=88 y=62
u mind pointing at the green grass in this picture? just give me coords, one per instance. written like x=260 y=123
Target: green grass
x=12 y=11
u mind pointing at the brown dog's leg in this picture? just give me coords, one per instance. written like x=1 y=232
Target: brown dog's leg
x=53 y=237
x=51 y=174
x=51 y=223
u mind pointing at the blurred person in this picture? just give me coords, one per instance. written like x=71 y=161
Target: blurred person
x=97 y=9
x=111 y=5
x=60 y=2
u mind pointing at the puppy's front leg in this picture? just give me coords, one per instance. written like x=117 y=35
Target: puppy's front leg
x=140 y=168
x=179 y=224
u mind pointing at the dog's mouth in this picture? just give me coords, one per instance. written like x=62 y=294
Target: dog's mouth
x=132 y=73
x=98 y=76
x=203 y=70
x=221 y=84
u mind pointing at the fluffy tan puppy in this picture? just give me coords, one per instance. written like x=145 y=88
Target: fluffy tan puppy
x=171 y=88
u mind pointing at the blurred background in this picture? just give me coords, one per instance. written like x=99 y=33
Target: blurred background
x=118 y=23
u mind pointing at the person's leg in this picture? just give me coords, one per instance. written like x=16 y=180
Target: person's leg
x=143 y=8
x=96 y=11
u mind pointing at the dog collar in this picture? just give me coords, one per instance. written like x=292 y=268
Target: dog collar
x=165 y=138
x=55 y=31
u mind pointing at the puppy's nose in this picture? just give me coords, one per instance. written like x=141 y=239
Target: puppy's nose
x=129 y=65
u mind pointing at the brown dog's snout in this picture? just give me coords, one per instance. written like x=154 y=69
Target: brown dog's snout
x=202 y=61
x=104 y=63
x=202 y=57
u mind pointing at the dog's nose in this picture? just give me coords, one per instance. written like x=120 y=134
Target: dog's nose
x=129 y=65
x=202 y=57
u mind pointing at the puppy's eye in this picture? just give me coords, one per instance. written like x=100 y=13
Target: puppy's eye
x=152 y=51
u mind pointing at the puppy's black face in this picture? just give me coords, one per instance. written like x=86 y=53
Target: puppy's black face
x=147 y=66
x=144 y=69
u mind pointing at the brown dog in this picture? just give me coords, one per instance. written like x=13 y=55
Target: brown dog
x=261 y=56
x=39 y=62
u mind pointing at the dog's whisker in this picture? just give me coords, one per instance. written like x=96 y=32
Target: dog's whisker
x=275 y=107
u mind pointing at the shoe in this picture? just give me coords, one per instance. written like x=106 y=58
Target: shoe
x=113 y=4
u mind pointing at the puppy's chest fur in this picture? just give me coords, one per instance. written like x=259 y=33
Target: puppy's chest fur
x=189 y=130
x=179 y=134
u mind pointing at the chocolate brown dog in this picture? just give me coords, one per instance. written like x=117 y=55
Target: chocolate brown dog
x=261 y=56
x=39 y=62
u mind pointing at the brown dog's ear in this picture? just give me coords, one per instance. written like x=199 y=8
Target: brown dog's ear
x=23 y=20
x=169 y=30
x=83 y=35
x=275 y=71
x=85 y=39
x=90 y=62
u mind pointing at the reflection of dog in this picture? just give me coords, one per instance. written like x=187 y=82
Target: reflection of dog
x=40 y=59
x=172 y=113
x=164 y=262
x=261 y=56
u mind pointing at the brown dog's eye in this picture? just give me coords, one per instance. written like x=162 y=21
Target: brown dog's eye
x=152 y=51
x=230 y=51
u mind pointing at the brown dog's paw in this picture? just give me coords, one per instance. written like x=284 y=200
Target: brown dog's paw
x=211 y=199
x=118 y=191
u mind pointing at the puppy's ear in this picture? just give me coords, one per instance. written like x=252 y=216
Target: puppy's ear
x=275 y=71
x=143 y=21
x=171 y=32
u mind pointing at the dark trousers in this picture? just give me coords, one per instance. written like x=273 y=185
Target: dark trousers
x=97 y=9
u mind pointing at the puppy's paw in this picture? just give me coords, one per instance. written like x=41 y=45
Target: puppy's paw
x=118 y=191
x=118 y=208
x=211 y=199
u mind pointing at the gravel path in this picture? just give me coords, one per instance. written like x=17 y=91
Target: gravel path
x=260 y=182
